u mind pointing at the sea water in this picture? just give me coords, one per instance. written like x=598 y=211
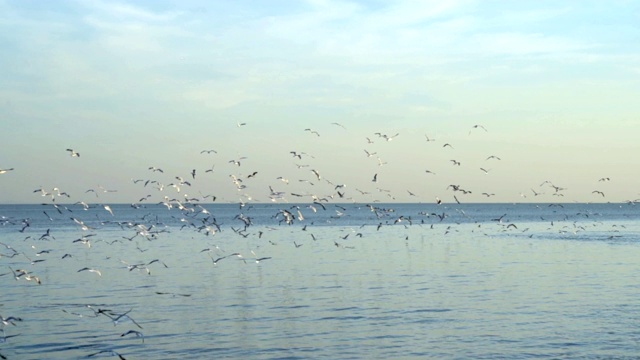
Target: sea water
x=334 y=281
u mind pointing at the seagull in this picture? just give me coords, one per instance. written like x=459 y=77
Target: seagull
x=208 y=151
x=499 y=219
x=389 y=138
x=73 y=153
x=312 y=131
x=598 y=192
x=536 y=193
x=477 y=126
x=237 y=162
x=241 y=124
x=9 y=320
x=428 y=138
x=108 y=208
x=259 y=259
x=386 y=137
x=4 y=171
x=91 y=270
x=116 y=318
x=136 y=333
x=455 y=162
x=493 y=157
x=604 y=179
x=447 y=144
x=215 y=261
x=375 y=178
x=338 y=124
x=484 y=170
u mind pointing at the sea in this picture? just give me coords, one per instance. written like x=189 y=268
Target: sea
x=320 y=281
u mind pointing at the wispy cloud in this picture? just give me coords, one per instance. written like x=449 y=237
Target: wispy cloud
x=525 y=44
x=124 y=11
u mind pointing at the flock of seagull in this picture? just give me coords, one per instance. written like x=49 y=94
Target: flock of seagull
x=191 y=214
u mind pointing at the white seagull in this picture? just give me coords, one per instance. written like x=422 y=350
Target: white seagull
x=73 y=153
x=91 y=270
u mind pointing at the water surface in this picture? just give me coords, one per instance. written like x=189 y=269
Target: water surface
x=402 y=281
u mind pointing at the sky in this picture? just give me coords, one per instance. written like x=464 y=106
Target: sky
x=552 y=87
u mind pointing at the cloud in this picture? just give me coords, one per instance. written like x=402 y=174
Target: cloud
x=128 y=12
x=510 y=43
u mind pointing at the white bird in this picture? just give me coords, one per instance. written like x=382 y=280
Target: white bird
x=136 y=333
x=4 y=171
x=108 y=208
x=73 y=153
x=91 y=270
x=9 y=320
x=389 y=138
x=117 y=318
x=259 y=259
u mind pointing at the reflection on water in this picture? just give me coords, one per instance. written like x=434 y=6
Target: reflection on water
x=468 y=290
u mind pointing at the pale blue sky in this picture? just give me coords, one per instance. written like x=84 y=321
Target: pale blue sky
x=131 y=85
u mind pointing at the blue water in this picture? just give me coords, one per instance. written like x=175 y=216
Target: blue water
x=402 y=281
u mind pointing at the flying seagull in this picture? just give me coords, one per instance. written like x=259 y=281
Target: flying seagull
x=73 y=153
x=476 y=127
x=312 y=131
x=136 y=333
x=91 y=270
